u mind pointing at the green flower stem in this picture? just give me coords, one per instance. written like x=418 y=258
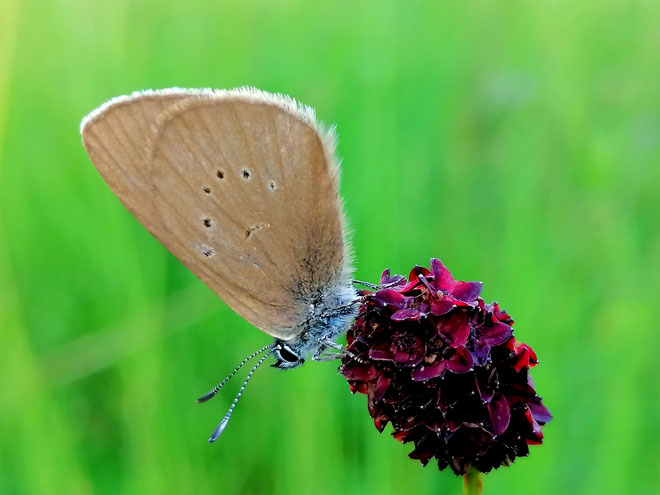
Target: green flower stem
x=472 y=482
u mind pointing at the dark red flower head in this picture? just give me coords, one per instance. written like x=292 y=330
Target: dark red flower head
x=444 y=369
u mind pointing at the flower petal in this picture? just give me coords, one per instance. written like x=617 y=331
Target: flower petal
x=466 y=291
x=358 y=371
x=535 y=437
x=461 y=361
x=539 y=412
x=524 y=357
x=416 y=272
x=381 y=387
x=486 y=382
x=414 y=278
x=533 y=361
x=385 y=276
x=386 y=279
x=500 y=414
x=443 y=279
x=389 y=297
x=410 y=354
x=424 y=449
x=470 y=441
x=380 y=422
x=407 y=314
x=480 y=353
x=381 y=352
x=425 y=372
x=495 y=333
x=454 y=328
x=501 y=315
x=441 y=306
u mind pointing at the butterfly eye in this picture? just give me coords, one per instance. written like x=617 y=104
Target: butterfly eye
x=287 y=354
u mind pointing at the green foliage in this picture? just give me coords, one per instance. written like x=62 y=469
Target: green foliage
x=517 y=141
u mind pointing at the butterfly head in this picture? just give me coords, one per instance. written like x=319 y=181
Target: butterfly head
x=287 y=356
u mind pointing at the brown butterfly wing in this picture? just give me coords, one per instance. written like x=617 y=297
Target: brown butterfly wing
x=241 y=186
x=116 y=135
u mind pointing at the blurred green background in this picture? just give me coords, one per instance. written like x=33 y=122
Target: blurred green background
x=517 y=141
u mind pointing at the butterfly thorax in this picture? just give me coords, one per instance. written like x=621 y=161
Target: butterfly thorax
x=328 y=317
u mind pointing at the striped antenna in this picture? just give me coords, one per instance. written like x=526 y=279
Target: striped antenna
x=223 y=424
x=215 y=390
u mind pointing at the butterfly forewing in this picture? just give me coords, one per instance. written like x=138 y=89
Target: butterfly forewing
x=241 y=186
x=115 y=137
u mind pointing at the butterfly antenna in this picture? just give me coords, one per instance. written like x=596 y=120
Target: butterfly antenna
x=223 y=424
x=217 y=388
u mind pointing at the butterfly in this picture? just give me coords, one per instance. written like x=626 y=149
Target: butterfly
x=242 y=187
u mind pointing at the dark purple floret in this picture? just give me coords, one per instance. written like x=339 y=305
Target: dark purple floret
x=445 y=370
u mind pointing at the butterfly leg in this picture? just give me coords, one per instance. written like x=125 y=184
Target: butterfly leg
x=332 y=345
x=319 y=357
x=342 y=350
x=346 y=309
x=324 y=352
x=366 y=284
x=376 y=286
